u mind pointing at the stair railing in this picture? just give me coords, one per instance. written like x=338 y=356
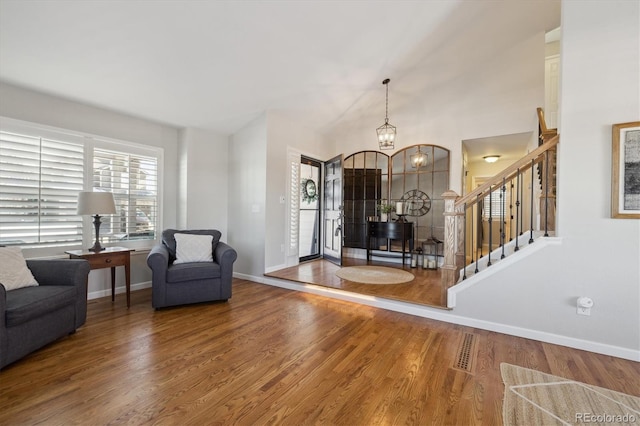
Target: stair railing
x=463 y=226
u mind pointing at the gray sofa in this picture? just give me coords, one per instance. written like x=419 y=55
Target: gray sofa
x=32 y=317
x=185 y=283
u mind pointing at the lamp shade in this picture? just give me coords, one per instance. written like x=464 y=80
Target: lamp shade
x=91 y=203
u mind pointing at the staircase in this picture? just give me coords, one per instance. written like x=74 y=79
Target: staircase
x=531 y=213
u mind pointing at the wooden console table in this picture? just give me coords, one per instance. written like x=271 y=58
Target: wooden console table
x=109 y=258
x=390 y=230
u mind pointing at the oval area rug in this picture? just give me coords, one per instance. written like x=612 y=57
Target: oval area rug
x=374 y=275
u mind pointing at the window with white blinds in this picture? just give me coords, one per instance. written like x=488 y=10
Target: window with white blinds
x=133 y=180
x=39 y=183
x=42 y=170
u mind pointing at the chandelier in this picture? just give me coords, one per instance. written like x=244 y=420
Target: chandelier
x=418 y=159
x=386 y=132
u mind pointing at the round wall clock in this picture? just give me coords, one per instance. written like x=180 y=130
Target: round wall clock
x=416 y=202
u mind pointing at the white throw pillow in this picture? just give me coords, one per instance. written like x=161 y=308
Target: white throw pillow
x=14 y=272
x=193 y=248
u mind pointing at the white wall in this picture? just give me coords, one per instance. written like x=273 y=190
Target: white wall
x=258 y=176
x=247 y=184
x=284 y=134
x=595 y=95
x=35 y=107
x=599 y=256
x=203 y=171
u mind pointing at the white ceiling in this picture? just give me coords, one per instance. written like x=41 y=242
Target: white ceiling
x=509 y=147
x=217 y=65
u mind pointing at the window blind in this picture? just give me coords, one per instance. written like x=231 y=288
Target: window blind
x=39 y=183
x=495 y=201
x=133 y=180
x=294 y=203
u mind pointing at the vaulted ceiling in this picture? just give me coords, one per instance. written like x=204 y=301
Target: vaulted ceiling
x=217 y=65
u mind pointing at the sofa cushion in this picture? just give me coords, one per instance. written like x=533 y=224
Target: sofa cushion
x=192 y=271
x=14 y=273
x=193 y=248
x=169 y=240
x=25 y=304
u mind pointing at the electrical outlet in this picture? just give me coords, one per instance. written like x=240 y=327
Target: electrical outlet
x=583 y=305
x=584 y=311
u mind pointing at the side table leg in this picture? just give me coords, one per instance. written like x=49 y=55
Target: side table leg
x=127 y=274
x=113 y=283
x=404 y=242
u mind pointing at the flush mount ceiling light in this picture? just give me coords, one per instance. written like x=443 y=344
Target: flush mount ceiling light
x=491 y=158
x=418 y=159
x=386 y=132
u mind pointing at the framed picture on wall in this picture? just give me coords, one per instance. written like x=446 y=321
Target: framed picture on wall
x=625 y=191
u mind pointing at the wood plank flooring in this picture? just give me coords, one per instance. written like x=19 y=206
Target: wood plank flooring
x=424 y=289
x=276 y=356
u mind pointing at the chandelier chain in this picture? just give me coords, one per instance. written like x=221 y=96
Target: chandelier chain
x=386 y=108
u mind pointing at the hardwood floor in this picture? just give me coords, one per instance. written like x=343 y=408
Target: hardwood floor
x=276 y=356
x=424 y=289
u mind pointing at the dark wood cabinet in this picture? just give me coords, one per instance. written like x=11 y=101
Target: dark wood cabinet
x=402 y=231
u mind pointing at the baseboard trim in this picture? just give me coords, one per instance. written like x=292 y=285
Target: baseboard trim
x=275 y=268
x=119 y=290
x=442 y=314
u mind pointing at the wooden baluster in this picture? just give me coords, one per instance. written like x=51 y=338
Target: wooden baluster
x=479 y=222
x=460 y=237
x=464 y=242
x=502 y=213
x=518 y=197
x=531 y=204
x=490 y=220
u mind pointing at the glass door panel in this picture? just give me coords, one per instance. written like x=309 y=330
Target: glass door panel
x=309 y=222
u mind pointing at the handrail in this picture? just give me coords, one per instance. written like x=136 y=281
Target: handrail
x=507 y=173
x=543 y=125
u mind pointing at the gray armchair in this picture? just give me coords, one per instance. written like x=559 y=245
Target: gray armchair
x=32 y=317
x=185 y=283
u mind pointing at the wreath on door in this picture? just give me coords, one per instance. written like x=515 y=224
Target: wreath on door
x=309 y=191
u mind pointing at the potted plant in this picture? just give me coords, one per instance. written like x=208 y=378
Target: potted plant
x=385 y=208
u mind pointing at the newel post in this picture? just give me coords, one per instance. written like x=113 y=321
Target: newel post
x=450 y=267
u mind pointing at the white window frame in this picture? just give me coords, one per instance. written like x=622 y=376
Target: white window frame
x=90 y=142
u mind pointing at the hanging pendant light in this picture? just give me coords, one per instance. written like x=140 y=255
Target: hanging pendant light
x=386 y=132
x=418 y=159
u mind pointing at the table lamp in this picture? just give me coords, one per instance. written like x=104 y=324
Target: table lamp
x=94 y=204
